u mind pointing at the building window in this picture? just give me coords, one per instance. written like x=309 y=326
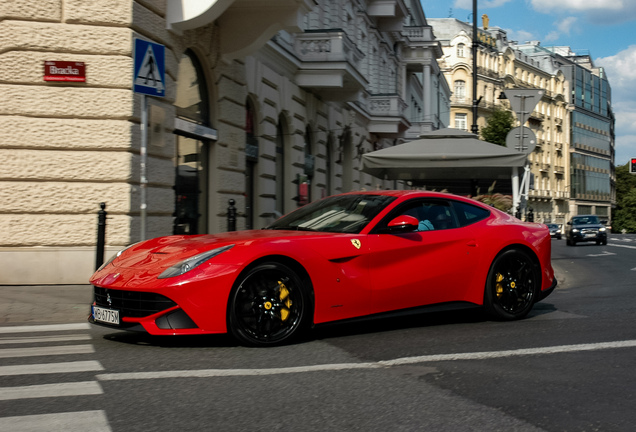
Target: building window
x=191 y=158
x=460 y=90
x=460 y=50
x=460 y=121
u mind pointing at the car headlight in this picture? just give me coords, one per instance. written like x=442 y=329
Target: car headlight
x=602 y=229
x=575 y=230
x=192 y=262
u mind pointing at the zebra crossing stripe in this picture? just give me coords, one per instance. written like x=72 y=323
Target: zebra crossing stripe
x=52 y=368
x=81 y=421
x=46 y=351
x=82 y=388
x=41 y=339
x=45 y=328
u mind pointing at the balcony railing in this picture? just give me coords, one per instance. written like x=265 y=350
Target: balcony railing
x=327 y=46
x=386 y=105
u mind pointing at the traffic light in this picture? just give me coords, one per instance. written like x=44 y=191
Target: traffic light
x=632 y=165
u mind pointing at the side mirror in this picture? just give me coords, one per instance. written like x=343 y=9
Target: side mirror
x=403 y=223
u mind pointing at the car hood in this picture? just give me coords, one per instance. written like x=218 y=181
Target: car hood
x=163 y=252
x=584 y=226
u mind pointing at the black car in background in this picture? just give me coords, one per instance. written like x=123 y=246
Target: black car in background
x=585 y=228
x=555 y=230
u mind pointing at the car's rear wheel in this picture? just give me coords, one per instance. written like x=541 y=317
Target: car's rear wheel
x=512 y=286
x=269 y=305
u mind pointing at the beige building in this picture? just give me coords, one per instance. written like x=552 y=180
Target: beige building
x=270 y=104
x=501 y=66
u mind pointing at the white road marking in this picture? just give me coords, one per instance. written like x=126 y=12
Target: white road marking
x=81 y=421
x=51 y=368
x=45 y=351
x=604 y=253
x=208 y=373
x=81 y=388
x=39 y=339
x=45 y=328
x=623 y=246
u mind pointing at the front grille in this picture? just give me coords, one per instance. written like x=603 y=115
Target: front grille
x=132 y=304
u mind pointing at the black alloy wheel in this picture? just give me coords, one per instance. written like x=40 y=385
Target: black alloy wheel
x=269 y=305
x=512 y=286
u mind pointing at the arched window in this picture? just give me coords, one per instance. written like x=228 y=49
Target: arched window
x=192 y=150
x=460 y=50
x=460 y=90
x=251 y=158
x=280 y=167
x=309 y=163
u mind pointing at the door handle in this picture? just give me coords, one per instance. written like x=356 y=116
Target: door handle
x=472 y=243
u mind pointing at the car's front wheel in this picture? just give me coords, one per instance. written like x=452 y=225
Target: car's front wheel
x=512 y=286
x=269 y=305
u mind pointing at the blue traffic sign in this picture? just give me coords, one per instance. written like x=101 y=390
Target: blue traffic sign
x=149 y=68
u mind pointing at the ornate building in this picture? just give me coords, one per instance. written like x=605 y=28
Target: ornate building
x=500 y=66
x=270 y=106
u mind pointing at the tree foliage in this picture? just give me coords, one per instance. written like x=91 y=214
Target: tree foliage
x=624 y=216
x=497 y=126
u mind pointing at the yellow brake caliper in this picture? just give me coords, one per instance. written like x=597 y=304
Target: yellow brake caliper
x=499 y=287
x=284 y=297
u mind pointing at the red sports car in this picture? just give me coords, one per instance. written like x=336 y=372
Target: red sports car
x=346 y=256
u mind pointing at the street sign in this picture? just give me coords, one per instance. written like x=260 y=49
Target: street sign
x=523 y=101
x=522 y=139
x=149 y=76
x=64 y=71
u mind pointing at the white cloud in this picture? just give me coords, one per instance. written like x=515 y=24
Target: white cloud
x=483 y=4
x=595 y=11
x=621 y=72
x=520 y=35
x=577 y=5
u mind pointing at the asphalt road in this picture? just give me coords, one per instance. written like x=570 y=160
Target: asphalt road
x=568 y=367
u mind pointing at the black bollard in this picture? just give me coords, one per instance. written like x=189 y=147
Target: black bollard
x=231 y=216
x=101 y=236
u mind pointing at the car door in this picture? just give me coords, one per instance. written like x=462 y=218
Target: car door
x=415 y=268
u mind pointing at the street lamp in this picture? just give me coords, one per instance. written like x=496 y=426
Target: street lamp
x=474 y=128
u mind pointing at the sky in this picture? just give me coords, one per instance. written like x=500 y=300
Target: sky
x=604 y=29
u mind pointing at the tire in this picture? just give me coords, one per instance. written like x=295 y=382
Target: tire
x=512 y=286
x=269 y=305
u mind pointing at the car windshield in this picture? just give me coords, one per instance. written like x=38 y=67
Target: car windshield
x=585 y=220
x=337 y=214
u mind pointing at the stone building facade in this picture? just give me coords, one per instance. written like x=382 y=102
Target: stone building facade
x=270 y=104
x=500 y=66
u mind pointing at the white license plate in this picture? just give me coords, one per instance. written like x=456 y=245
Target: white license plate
x=590 y=235
x=109 y=316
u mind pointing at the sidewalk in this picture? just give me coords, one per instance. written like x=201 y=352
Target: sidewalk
x=44 y=304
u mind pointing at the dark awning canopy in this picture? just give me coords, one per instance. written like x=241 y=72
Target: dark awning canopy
x=444 y=154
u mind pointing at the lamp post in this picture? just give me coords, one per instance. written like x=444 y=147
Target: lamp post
x=474 y=128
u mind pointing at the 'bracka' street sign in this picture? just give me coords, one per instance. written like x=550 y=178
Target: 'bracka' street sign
x=64 y=71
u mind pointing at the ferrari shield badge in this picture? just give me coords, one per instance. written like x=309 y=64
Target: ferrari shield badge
x=356 y=243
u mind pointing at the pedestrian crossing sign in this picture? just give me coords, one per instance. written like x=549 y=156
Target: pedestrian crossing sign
x=149 y=68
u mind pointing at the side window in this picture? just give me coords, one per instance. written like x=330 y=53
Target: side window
x=468 y=213
x=431 y=215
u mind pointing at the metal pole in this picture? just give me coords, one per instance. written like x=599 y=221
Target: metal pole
x=231 y=216
x=101 y=236
x=144 y=157
x=474 y=128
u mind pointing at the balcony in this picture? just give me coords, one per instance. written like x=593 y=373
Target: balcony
x=329 y=61
x=388 y=114
x=388 y=13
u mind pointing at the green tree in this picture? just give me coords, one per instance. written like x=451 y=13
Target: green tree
x=497 y=126
x=624 y=216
